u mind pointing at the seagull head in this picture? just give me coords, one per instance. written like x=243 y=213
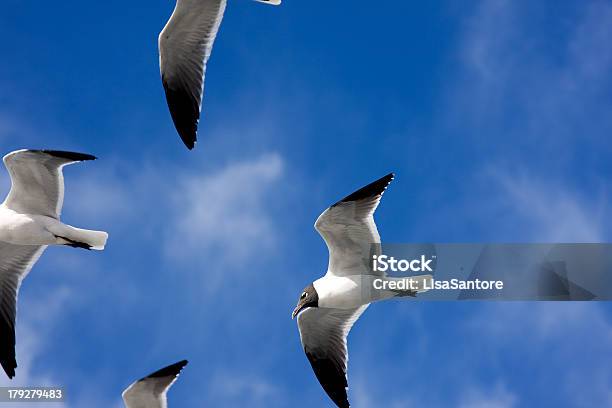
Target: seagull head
x=308 y=298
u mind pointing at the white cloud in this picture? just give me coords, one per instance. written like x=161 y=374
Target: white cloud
x=239 y=390
x=549 y=87
x=200 y=210
x=96 y=196
x=470 y=395
x=224 y=213
x=361 y=396
x=549 y=212
x=34 y=321
x=533 y=104
x=497 y=397
x=544 y=321
x=575 y=336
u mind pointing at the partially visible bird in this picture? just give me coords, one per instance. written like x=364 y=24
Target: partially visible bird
x=185 y=45
x=328 y=307
x=150 y=391
x=29 y=221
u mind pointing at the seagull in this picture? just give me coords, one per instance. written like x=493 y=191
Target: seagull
x=328 y=307
x=29 y=222
x=150 y=391
x=185 y=45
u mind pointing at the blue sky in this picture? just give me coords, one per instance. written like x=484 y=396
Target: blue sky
x=494 y=114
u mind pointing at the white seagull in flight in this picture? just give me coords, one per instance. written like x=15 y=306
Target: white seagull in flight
x=328 y=308
x=150 y=391
x=29 y=221
x=185 y=45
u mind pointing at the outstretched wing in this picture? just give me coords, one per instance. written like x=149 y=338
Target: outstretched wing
x=150 y=391
x=185 y=45
x=349 y=230
x=323 y=333
x=16 y=261
x=37 y=180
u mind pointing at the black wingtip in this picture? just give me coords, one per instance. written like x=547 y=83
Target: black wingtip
x=185 y=112
x=170 y=371
x=9 y=366
x=371 y=190
x=67 y=155
x=9 y=373
x=7 y=343
x=332 y=378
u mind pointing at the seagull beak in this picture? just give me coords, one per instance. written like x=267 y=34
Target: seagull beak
x=295 y=312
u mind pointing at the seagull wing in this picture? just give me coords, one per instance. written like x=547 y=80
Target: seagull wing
x=323 y=333
x=150 y=391
x=16 y=261
x=349 y=230
x=37 y=180
x=185 y=45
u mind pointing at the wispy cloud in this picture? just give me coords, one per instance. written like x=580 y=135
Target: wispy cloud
x=216 y=213
x=533 y=105
x=545 y=211
x=214 y=218
x=224 y=213
x=524 y=83
x=559 y=333
x=32 y=328
x=362 y=396
x=497 y=397
x=239 y=390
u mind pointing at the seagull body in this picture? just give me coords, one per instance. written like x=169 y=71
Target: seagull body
x=30 y=229
x=150 y=391
x=185 y=45
x=328 y=308
x=29 y=222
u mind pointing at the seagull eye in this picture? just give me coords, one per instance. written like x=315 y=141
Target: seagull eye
x=304 y=294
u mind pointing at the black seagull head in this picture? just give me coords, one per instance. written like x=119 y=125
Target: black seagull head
x=308 y=298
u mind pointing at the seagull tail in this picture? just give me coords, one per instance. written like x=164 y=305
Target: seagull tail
x=95 y=239
x=272 y=2
x=79 y=238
